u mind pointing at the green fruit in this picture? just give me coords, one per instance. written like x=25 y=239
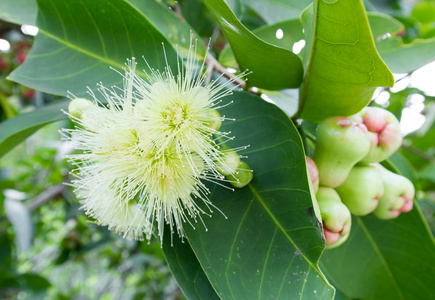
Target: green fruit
x=341 y=143
x=398 y=195
x=384 y=133
x=361 y=190
x=242 y=177
x=336 y=217
x=313 y=172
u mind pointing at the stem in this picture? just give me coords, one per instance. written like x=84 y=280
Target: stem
x=213 y=64
x=418 y=152
x=6 y=106
x=47 y=195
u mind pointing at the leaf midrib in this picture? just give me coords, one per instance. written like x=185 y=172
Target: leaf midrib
x=103 y=59
x=266 y=208
x=381 y=257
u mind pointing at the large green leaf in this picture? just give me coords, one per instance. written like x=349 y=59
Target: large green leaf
x=273 y=68
x=270 y=243
x=342 y=65
x=18 y=11
x=186 y=269
x=14 y=131
x=175 y=29
x=277 y=10
x=385 y=259
x=78 y=41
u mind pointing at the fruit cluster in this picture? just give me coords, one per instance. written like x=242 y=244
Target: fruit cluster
x=347 y=177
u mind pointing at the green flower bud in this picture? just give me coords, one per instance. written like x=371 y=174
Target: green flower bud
x=230 y=162
x=77 y=106
x=242 y=177
x=212 y=119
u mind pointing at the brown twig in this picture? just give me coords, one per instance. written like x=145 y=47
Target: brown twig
x=213 y=64
x=47 y=195
x=418 y=152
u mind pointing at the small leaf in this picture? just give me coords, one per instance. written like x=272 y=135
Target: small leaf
x=343 y=67
x=76 y=47
x=291 y=31
x=18 y=11
x=33 y=282
x=273 y=68
x=270 y=242
x=14 y=131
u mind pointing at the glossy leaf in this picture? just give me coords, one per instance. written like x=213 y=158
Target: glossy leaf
x=291 y=31
x=19 y=11
x=175 y=29
x=186 y=269
x=343 y=67
x=270 y=242
x=17 y=129
x=385 y=259
x=68 y=56
x=277 y=10
x=272 y=67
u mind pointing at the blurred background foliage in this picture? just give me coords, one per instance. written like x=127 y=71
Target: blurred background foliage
x=50 y=250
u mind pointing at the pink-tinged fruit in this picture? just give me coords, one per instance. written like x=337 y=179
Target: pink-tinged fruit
x=361 y=190
x=314 y=173
x=341 y=143
x=398 y=195
x=336 y=217
x=331 y=237
x=384 y=133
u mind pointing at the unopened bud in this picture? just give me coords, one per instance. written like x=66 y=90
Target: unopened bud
x=230 y=162
x=242 y=177
x=212 y=119
x=77 y=106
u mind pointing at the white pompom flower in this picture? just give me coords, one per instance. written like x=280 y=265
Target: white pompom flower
x=144 y=158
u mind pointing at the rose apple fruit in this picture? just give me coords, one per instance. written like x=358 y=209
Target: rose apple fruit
x=340 y=144
x=335 y=215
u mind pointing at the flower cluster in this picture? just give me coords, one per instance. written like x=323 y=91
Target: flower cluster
x=146 y=154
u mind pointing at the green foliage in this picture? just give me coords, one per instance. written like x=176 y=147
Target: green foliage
x=19 y=12
x=236 y=252
x=264 y=240
x=272 y=67
x=384 y=255
x=87 y=41
x=15 y=130
x=335 y=82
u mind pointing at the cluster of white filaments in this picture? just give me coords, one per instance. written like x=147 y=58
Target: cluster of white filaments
x=144 y=155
